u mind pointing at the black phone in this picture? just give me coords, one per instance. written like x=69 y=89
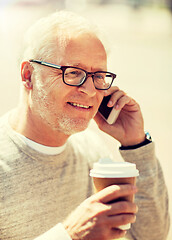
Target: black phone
x=110 y=114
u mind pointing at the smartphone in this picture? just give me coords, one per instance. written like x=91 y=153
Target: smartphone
x=110 y=114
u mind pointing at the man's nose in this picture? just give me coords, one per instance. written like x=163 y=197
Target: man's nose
x=88 y=87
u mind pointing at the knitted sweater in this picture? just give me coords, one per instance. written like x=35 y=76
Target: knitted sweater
x=37 y=191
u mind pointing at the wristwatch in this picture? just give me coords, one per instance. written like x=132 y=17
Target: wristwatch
x=148 y=137
x=147 y=140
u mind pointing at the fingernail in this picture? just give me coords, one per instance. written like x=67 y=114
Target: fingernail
x=110 y=103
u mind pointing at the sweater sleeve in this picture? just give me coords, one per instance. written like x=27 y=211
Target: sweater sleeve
x=152 y=198
x=55 y=233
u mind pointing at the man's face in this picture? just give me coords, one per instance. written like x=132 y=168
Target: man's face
x=66 y=108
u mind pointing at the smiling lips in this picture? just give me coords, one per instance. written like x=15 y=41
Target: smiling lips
x=79 y=105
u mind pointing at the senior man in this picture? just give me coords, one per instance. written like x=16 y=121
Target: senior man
x=47 y=151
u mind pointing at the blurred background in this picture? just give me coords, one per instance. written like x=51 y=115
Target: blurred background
x=140 y=39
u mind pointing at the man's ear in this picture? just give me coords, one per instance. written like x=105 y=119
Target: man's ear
x=26 y=74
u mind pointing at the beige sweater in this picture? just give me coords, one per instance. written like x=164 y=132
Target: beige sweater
x=37 y=191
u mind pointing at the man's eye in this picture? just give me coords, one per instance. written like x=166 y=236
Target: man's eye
x=99 y=77
x=73 y=73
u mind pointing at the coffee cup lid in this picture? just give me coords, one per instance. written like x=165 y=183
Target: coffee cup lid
x=106 y=168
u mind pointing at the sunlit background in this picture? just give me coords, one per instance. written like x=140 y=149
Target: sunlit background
x=140 y=34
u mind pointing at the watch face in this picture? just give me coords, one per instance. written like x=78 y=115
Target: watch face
x=148 y=136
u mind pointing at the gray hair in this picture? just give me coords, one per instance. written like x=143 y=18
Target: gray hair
x=52 y=34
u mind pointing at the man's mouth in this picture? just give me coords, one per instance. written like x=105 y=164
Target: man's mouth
x=79 y=105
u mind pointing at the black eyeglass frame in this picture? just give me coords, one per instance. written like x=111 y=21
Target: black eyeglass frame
x=63 y=68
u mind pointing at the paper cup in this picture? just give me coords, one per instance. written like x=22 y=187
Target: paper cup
x=107 y=172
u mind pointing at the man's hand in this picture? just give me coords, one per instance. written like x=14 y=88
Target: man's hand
x=129 y=127
x=98 y=219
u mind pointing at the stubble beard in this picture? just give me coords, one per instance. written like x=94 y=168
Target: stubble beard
x=70 y=126
x=60 y=122
x=64 y=124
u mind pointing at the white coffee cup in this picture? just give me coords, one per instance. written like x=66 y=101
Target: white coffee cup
x=107 y=172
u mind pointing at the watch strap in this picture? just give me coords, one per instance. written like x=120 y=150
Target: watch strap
x=147 y=140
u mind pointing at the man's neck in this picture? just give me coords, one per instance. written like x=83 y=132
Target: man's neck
x=33 y=128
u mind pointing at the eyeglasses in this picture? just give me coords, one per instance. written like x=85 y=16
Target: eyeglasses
x=74 y=76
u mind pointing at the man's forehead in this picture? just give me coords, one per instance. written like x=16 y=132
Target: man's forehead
x=85 y=52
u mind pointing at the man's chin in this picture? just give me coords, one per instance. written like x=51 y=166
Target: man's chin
x=72 y=126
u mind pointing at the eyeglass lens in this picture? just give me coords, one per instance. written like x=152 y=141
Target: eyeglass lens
x=74 y=76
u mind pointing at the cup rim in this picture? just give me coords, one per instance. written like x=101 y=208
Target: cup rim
x=106 y=168
x=112 y=175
